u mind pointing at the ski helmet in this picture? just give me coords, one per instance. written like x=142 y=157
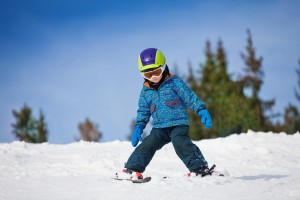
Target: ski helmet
x=151 y=58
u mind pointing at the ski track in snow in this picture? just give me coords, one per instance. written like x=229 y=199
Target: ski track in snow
x=256 y=165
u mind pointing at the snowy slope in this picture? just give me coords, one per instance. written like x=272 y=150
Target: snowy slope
x=258 y=166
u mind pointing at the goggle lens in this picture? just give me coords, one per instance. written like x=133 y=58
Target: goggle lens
x=156 y=72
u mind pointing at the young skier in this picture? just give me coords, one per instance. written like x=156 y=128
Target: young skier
x=165 y=97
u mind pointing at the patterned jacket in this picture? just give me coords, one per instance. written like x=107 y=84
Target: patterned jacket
x=167 y=105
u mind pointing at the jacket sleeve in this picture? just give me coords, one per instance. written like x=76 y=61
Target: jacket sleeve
x=188 y=96
x=143 y=112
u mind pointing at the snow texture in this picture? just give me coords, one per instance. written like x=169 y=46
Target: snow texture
x=256 y=165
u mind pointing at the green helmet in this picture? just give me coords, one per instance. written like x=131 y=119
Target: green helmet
x=151 y=58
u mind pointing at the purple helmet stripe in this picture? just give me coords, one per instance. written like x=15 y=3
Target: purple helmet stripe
x=148 y=56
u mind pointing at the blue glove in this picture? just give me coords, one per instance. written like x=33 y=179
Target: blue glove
x=205 y=118
x=137 y=135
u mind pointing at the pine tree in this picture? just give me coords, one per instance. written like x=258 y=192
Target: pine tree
x=195 y=131
x=222 y=63
x=291 y=116
x=232 y=111
x=253 y=80
x=291 y=119
x=254 y=73
x=209 y=88
x=229 y=108
x=27 y=128
x=42 y=129
x=211 y=83
x=207 y=74
x=89 y=131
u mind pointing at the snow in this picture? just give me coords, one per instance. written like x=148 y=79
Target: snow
x=257 y=166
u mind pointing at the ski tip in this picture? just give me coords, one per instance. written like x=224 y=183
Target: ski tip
x=144 y=180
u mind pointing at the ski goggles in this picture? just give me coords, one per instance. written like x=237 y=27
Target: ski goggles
x=156 y=72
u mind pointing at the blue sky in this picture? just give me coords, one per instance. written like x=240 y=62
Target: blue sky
x=78 y=59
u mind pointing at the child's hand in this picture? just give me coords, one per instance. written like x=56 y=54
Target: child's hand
x=137 y=135
x=205 y=118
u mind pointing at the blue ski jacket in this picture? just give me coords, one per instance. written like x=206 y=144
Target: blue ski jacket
x=168 y=105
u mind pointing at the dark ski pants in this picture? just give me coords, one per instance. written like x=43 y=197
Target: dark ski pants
x=188 y=152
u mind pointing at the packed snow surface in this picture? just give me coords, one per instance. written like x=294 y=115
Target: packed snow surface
x=256 y=165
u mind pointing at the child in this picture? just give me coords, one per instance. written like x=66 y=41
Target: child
x=164 y=97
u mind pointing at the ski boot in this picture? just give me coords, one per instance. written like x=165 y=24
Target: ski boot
x=129 y=174
x=202 y=171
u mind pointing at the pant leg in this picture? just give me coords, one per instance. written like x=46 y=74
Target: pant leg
x=186 y=150
x=144 y=152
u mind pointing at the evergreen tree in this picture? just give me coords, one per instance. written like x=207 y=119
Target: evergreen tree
x=195 y=131
x=291 y=120
x=291 y=114
x=253 y=80
x=229 y=108
x=42 y=129
x=89 y=131
x=27 y=128
x=207 y=75
x=254 y=72
x=209 y=90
